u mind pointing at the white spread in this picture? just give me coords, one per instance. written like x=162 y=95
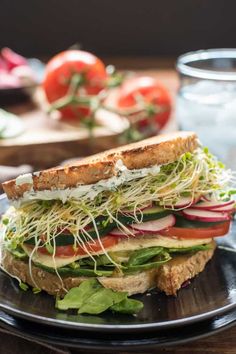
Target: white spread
x=90 y=190
x=24 y=179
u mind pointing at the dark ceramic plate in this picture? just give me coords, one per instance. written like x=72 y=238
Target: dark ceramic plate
x=211 y=293
x=116 y=342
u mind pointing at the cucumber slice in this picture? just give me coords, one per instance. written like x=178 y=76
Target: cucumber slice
x=68 y=239
x=148 y=214
x=155 y=213
x=67 y=271
x=193 y=224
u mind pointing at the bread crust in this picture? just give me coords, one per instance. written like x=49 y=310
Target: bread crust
x=173 y=274
x=168 y=278
x=158 y=150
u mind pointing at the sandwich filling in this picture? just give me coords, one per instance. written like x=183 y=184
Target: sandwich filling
x=134 y=221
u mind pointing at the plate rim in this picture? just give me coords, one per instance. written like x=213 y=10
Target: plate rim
x=127 y=345
x=92 y=327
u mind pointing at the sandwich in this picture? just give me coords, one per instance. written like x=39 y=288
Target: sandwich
x=137 y=217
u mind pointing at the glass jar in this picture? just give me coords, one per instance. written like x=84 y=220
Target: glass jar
x=206 y=101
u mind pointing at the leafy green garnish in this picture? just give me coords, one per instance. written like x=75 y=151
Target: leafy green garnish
x=190 y=249
x=77 y=296
x=154 y=263
x=142 y=256
x=91 y=298
x=101 y=300
x=127 y=306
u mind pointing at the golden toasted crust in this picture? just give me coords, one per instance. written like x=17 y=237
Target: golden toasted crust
x=167 y=278
x=182 y=268
x=158 y=150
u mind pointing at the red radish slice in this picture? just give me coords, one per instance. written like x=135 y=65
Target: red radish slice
x=182 y=203
x=229 y=208
x=121 y=233
x=210 y=205
x=205 y=215
x=152 y=227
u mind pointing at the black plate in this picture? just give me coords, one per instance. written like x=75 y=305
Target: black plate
x=116 y=342
x=211 y=293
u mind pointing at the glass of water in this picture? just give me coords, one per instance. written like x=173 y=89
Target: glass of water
x=206 y=101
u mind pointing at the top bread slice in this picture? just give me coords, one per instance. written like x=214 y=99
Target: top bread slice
x=158 y=150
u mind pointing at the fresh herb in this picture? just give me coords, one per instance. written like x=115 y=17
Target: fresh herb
x=77 y=296
x=91 y=298
x=101 y=300
x=127 y=306
x=142 y=256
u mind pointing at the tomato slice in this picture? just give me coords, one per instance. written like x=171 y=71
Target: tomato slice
x=220 y=229
x=70 y=251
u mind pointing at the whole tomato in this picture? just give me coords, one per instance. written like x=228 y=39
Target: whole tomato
x=147 y=94
x=63 y=68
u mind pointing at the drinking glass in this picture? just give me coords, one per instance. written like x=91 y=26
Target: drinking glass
x=206 y=101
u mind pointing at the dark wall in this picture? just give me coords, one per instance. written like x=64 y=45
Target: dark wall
x=117 y=27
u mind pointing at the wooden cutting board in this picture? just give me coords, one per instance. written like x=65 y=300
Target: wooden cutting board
x=46 y=142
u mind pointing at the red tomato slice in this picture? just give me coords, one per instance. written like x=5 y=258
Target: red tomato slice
x=59 y=71
x=190 y=233
x=70 y=251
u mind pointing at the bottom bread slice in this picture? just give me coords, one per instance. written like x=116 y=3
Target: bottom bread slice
x=168 y=278
x=179 y=269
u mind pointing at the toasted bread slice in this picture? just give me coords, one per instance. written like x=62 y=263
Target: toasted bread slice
x=167 y=278
x=182 y=268
x=158 y=150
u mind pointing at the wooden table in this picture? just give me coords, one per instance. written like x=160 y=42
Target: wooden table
x=221 y=343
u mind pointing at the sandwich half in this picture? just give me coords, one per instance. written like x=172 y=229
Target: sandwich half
x=137 y=217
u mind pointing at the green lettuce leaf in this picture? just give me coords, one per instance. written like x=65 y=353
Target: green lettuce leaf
x=127 y=306
x=142 y=256
x=101 y=300
x=75 y=297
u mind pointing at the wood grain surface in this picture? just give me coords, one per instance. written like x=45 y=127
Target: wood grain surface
x=221 y=343
x=47 y=142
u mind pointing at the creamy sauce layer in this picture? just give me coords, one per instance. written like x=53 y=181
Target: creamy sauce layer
x=89 y=191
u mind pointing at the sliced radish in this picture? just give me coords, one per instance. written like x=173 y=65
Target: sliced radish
x=122 y=233
x=210 y=205
x=228 y=208
x=151 y=227
x=205 y=215
x=182 y=203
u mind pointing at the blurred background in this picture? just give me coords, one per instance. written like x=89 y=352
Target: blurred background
x=139 y=39
x=117 y=28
